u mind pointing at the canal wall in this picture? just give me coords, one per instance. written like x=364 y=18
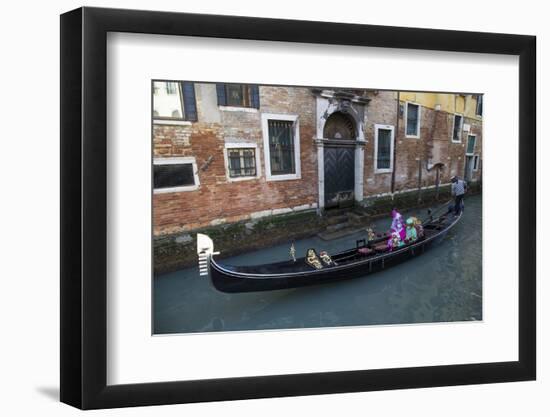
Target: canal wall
x=178 y=250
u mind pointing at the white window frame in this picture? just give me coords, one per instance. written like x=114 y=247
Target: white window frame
x=239 y=109
x=475 y=142
x=267 y=160
x=476 y=166
x=460 y=134
x=174 y=161
x=377 y=127
x=171 y=122
x=477 y=96
x=417 y=135
x=241 y=145
x=174 y=120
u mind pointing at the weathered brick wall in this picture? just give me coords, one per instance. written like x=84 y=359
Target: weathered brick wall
x=382 y=109
x=218 y=200
x=434 y=145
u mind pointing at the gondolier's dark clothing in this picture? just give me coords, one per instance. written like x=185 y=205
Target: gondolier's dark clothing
x=458 y=189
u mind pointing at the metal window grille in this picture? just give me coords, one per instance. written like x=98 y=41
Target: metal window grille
x=281 y=147
x=242 y=162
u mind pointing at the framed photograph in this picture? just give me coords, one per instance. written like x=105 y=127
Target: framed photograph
x=259 y=208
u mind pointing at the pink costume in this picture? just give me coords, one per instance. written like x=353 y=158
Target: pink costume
x=397 y=226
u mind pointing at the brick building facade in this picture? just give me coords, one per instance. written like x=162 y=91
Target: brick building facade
x=225 y=153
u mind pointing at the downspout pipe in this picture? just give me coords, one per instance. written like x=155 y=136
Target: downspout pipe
x=395 y=144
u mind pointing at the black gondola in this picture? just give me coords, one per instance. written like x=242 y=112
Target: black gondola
x=364 y=259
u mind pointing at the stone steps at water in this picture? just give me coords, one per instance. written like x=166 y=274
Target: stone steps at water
x=343 y=223
x=332 y=220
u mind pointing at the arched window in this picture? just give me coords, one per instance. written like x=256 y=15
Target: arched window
x=339 y=126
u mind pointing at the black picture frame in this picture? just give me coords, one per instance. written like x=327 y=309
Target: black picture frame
x=84 y=207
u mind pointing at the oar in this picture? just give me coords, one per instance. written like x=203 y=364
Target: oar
x=432 y=214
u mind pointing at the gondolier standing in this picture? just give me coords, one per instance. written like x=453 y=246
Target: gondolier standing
x=458 y=189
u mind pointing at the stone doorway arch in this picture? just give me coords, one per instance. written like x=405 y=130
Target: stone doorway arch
x=339 y=160
x=340 y=141
x=340 y=126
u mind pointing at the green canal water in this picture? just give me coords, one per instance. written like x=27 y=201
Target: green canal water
x=442 y=285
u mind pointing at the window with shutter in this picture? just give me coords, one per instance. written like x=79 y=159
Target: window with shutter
x=174 y=100
x=189 y=101
x=476 y=162
x=238 y=95
x=412 y=125
x=471 y=145
x=479 y=105
x=457 y=128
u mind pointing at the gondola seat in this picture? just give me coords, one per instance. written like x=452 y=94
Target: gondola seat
x=381 y=247
x=365 y=251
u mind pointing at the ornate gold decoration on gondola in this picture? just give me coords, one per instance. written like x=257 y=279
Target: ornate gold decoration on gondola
x=370 y=234
x=293 y=252
x=313 y=260
x=327 y=260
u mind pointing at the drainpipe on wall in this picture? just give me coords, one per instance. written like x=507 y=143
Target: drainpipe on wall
x=419 y=180
x=395 y=146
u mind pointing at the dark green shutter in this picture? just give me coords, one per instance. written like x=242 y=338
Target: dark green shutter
x=255 y=96
x=189 y=102
x=220 y=91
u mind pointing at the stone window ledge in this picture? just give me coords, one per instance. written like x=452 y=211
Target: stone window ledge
x=171 y=122
x=239 y=109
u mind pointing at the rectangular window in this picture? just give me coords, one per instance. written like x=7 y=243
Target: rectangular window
x=479 y=105
x=281 y=146
x=476 y=162
x=412 y=128
x=174 y=100
x=242 y=162
x=471 y=145
x=457 y=128
x=174 y=174
x=383 y=148
x=238 y=95
x=167 y=100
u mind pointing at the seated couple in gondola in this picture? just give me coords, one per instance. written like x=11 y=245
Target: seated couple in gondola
x=403 y=234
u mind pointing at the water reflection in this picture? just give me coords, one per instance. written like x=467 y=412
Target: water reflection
x=443 y=285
